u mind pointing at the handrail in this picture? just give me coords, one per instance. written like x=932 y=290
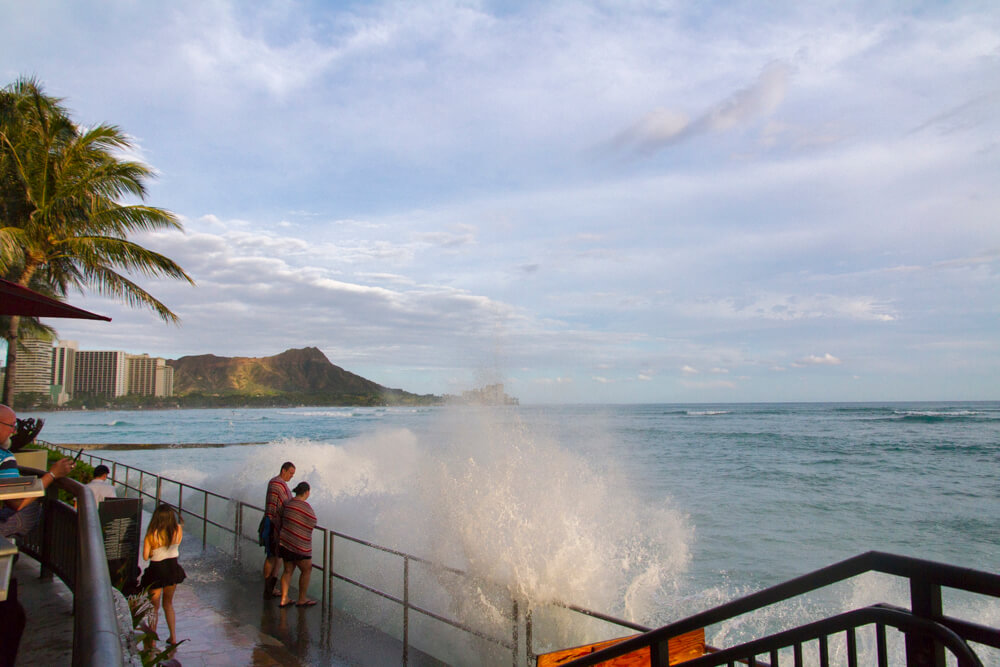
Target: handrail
x=95 y=623
x=928 y=573
x=901 y=619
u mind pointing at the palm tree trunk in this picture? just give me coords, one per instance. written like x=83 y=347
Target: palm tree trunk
x=11 y=371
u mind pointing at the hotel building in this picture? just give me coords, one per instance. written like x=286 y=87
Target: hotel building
x=63 y=370
x=34 y=366
x=149 y=376
x=101 y=372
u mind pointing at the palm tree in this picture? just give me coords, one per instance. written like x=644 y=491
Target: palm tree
x=64 y=221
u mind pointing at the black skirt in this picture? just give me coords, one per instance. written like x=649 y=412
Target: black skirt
x=162 y=573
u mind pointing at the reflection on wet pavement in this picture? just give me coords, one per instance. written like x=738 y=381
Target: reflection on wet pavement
x=225 y=620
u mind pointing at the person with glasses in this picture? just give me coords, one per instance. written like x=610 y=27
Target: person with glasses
x=19 y=516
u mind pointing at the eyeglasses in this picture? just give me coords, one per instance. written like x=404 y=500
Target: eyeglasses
x=14 y=425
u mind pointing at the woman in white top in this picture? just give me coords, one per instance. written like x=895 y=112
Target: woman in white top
x=160 y=548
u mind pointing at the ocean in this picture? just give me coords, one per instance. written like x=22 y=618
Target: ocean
x=646 y=512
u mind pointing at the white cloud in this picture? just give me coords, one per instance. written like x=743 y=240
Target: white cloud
x=790 y=307
x=663 y=127
x=825 y=360
x=689 y=370
x=558 y=380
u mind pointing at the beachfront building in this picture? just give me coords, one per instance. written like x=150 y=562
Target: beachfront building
x=63 y=370
x=101 y=373
x=149 y=376
x=34 y=366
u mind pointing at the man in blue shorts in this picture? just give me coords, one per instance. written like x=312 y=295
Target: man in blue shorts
x=270 y=525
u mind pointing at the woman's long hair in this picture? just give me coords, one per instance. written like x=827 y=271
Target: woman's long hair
x=163 y=526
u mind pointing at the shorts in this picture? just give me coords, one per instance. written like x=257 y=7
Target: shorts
x=292 y=556
x=268 y=537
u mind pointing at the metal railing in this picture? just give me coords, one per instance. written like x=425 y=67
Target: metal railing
x=69 y=543
x=927 y=631
x=240 y=528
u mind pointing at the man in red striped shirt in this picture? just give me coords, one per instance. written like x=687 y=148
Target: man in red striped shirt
x=270 y=525
x=295 y=545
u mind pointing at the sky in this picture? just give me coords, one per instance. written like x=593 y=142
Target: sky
x=598 y=202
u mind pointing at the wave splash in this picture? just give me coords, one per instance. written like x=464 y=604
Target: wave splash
x=481 y=492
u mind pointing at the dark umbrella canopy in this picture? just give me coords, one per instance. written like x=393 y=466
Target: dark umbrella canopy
x=17 y=300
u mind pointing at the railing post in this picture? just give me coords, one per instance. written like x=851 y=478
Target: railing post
x=406 y=609
x=528 y=653
x=328 y=574
x=514 y=615
x=659 y=654
x=238 y=532
x=204 y=521
x=326 y=571
x=925 y=602
x=159 y=485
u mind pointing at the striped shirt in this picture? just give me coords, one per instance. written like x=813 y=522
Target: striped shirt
x=8 y=465
x=277 y=495
x=297 y=523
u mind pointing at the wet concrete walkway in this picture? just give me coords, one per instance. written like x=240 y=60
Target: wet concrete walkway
x=224 y=619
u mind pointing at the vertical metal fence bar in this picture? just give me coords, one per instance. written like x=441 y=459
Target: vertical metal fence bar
x=517 y=620
x=925 y=602
x=852 y=648
x=528 y=653
x=659 y=654
x=328 y=574
x=238 y=529
x=798 y=654
x=204 y=521
x=774 y=657
x=882 y=650
x=180 y=499
x=159 y=488
x=326 y=569
x=824 y=652
x=406 y=609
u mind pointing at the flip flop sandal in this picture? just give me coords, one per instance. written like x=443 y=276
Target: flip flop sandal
x=307 y=603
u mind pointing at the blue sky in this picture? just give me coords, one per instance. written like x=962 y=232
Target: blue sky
x=588 y=201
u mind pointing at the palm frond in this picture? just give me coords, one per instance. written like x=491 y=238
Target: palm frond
x=108 y=282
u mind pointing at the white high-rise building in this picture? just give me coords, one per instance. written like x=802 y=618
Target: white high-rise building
x=63 y=370
x=34 y=366
x=149 y=376
x=101 y=372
